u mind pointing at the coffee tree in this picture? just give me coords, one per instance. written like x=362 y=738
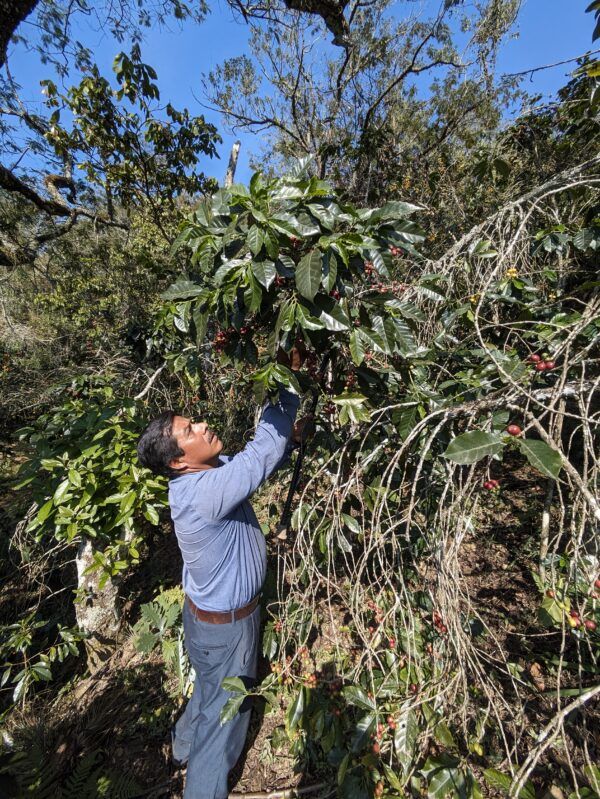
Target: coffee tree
x=286 y=260
x=425 y=372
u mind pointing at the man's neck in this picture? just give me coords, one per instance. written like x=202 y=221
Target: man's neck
x=202 y=467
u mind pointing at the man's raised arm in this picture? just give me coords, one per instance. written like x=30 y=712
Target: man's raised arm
x=223 y=489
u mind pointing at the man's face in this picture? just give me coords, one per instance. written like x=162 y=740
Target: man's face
x=199 y=443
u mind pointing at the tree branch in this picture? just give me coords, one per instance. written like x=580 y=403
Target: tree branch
x=10 y=182
x=13 y=14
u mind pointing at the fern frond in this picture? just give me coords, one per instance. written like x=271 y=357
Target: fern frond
x=117 y=786
x=82 y=782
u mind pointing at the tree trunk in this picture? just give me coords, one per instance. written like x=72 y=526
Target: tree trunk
x=97 y=611
x=11 y=16
x=231 y=167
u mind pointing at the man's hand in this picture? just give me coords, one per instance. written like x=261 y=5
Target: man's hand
x=296 y=357
x=303 y=429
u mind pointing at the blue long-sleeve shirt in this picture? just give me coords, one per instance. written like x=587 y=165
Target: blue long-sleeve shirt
x=222 y=546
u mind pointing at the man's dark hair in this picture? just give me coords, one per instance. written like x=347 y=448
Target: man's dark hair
x=157 y=446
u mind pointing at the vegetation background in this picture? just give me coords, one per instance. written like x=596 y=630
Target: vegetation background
x=431 y=231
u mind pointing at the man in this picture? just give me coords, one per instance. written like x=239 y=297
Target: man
x=224 y=557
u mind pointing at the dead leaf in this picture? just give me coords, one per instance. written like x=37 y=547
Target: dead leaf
x=535 y=670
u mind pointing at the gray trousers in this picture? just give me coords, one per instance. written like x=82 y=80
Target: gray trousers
x=216 y=651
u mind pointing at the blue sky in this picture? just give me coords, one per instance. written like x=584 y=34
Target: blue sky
x=547 y=31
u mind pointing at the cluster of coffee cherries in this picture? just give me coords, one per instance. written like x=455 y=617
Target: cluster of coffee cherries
x=395 y=286
x=540 y=364
x=395 y=251
x=330 y=409
x=377 y=737
x=575 y=621
x=438 y=623
x=305 y=666
x=334 y=687
x=377 y=621
x=377 y=613
x=309 y=675
x=491 y=485
x=311 y=364
x=350 y=380
x=285 y=679
x=574 y=618
x=222 y=338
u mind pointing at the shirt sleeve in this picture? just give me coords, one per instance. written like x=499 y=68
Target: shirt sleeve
x=224 y=488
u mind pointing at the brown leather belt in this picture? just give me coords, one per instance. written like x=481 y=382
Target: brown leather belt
x=218 y=617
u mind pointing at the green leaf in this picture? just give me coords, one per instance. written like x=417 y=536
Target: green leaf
x=225 y=269
x=351 y=408
x=546 y=460
x=295 y=710
x=357 y=346
x=182 y=290
x=230 y=708
x=342 y=768
x=332 y=316
x=385 y=330
x=593 y=774
x=550 y=613
x=255 y=239
x=473 y=446
x=234 y=685
x=151 y=514
x=45 y=511
x=394 y=210
x=446 y=781
x=355 y=695
x=42 y=671
x=256 y=184
x=200 y=318
x=378 y=262
x=352 y=523
x=502 y=782
x=329 y=271
x=286 y=377
x=287 y=266
x=308 y=274
x=405 y=737
x=60 y=492
x=21 y=687
x=271 y=244
x=306 y=320
x=75 y=478
x=363 y=731
x=145 y=642
x=264 y=272
x=406 y=343
x=405 y=420
x=443 y=735
x=252 y=293
x=392 y=778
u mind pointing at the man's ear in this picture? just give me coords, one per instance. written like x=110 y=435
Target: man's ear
x=177 y=465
